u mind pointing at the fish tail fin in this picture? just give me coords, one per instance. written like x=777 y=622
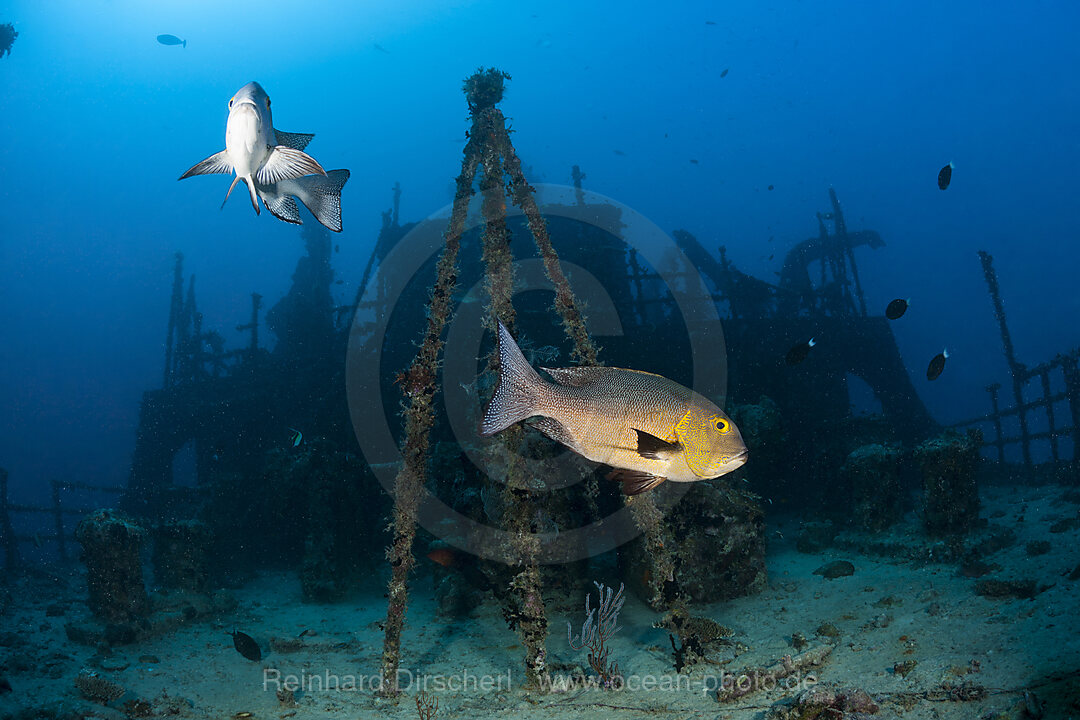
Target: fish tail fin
x=321 y=194
x=184 y=44
x=519 y=391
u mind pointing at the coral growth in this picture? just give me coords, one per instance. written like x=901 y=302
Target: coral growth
x=97 y=689
x=7 y=38
x=427 y=706
x=601 y=624
x=753 y=679
x=871 y=481
x=180 y=555
x=823 y=701
x=111 y=543
x=698 y=636
x=950 y=496
x=484 y=88
x=717 y=544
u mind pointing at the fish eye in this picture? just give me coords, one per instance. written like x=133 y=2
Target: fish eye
x=230 y=104
x=722 y=425
x=267 y=103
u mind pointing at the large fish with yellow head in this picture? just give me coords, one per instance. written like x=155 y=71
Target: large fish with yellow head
x=648 y=428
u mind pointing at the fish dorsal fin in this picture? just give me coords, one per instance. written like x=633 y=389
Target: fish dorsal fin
x=296 y=141
x=218 y=163
x=576 y=376
x=285 y=163
x=634 y=482
x=652 y=447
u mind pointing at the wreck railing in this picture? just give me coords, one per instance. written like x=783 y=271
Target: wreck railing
x=1022 y=378
x=1023 y=411
x=10 y=539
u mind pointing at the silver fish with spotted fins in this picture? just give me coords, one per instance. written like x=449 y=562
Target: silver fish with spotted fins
x=647 y=427
x=266 y=159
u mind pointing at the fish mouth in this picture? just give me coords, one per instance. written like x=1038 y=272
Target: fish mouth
x=739 y=460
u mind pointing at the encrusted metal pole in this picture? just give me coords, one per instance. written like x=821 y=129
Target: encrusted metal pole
x=253 y=326
x=397 y=204
x=58 y=520
x=521 y=491
x=643 y=507
x=1072 y=391
x=637 y=272
x=578 y=176
x=175 y=306
x=1015 y=368
x=999 y=439
x=256 y=303
x=419 y=384
x=489 y=147
x=1044 y=375
x=11 y=543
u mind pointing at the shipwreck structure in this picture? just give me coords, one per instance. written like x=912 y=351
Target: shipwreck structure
x=276 y=476
x=1045 y=407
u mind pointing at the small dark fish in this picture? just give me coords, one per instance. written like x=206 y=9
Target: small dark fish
x=380 y=48
x=937 y=365
x=724 y=73
x=772 y=256
x=709 y=22
x=618 y=152
x=799 y=352
x=246 y=646
x=296 y=438
x=896 y=309
x=771 y=187
x=693 y=161
x=944 y=176
x=171 y=40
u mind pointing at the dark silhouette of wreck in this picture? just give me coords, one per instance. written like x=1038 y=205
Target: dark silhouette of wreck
x=209 y=392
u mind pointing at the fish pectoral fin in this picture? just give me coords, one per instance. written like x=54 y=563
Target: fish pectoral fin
x=286 y=163
x=296 y=141
x=634 y=482
x=652 y=447
x=216 y=164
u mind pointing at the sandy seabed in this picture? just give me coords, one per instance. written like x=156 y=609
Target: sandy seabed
x=889 y=612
